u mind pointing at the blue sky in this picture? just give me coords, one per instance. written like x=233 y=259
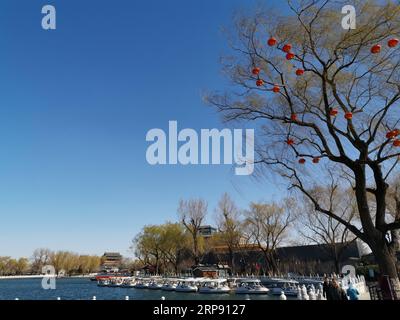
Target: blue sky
x=76 y=104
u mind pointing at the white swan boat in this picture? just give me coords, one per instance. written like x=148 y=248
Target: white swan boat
x=155 y=284
x=141 y=283
x=187 y=285
x=169 y=284
x=215 y=286
x=250 y=286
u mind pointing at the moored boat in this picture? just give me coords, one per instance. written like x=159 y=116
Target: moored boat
x=289 y=287
x=250 y=286
x=141 y=283
x=215 y=286
x=186 y=285
x=155 y=284
x=169 y=284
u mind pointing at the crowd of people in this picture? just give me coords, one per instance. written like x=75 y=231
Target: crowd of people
x=332 y=290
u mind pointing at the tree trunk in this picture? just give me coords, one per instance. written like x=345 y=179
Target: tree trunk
x=232 y=260
x=386 y=260
x=195 y=249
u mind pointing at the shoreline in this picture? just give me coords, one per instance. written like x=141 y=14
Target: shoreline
x=40 y=276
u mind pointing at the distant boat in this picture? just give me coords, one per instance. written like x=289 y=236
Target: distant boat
x=109 y=275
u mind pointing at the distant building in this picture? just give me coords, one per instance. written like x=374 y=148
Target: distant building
x=111 y=261
x=298 y=259
x=210 y=271
x=207 y=231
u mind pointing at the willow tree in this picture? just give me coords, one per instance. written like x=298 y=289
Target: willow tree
x=319 y=94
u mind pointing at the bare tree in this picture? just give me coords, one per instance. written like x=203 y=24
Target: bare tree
x=40 y=258
x=266 y=225
x=229 y=227
x=320 y=93
x=192 y=214
x=318 y=228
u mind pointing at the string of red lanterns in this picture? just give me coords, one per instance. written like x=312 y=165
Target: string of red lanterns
x=392 y=43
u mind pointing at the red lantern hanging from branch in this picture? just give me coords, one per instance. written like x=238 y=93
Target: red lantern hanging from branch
x=315 y=160
x=376 y=49
x=290 y=56
x=256 y=71
x=259 y=83
x=272 y=42
x=348 y=115
x=392 y=134
x=333 y=112
x=293 y=117
x=290 y=141
x=302 y=161
x=287 y=47
x=276 y=89
x=393 y=42
x=396 y=143
x=299 y=72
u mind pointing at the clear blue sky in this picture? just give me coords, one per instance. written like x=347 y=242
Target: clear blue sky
x=75 y=107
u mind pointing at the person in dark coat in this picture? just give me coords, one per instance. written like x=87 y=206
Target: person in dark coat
x=325 y=288
x=336 y=292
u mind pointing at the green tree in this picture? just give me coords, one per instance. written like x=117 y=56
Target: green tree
x=174 y=242
x=22 y=266
x=147 y=246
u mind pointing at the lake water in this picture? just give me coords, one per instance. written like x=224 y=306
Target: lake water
x=84 y=289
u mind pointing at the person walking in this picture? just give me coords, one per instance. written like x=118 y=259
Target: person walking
x=352 y=292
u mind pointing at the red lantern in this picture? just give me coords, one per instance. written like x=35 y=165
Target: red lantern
x=287 y=47
x=290 y=56
x=272 y=41
x=348 y=115
x=302 y=161
x=315 y=160
x=290 y=142
x=256 y=71
x=396 y=143
x=293 y=117
x=299 y=72
x=393 y=134
x=376 y=49
x=393 y=42
x=276 y=89
x=389 y=135
x=333 y=112
x=259 y=83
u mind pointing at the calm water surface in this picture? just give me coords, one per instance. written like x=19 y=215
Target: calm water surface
x=84 y=289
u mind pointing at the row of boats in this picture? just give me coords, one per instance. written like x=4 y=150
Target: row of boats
x=206 y=285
